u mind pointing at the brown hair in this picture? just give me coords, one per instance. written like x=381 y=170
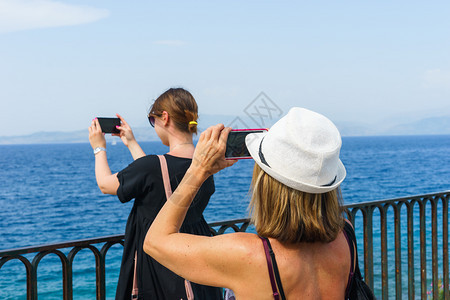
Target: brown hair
x=293 y=216
x=181 y=107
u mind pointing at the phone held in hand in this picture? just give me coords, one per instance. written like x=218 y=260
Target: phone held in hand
x=236 y=148
x=108 y=125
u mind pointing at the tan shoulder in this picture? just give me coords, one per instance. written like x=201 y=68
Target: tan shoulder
x=245 y=258
x=241 y=247
x=240 y=241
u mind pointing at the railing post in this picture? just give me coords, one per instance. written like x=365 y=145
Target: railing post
x=33 y=279
x=434 y=250
x=368 y=245
x=398 y=251
x=101 y=283
x=445 y=245
x=100 y=276
x=68 y=291
x=384 y=250
x=423 y=250
x=411 y=279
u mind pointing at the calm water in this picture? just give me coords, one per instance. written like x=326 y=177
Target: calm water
x=48 y=194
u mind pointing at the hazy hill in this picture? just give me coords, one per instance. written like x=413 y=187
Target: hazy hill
x=427 y=126
x=437 y=125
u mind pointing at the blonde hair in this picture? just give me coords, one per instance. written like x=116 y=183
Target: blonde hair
x=181 y=107
x=293 y=216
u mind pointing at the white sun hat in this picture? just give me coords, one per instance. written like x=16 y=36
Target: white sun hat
x=301 y=151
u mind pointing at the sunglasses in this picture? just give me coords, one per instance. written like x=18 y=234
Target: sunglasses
x=151 y=120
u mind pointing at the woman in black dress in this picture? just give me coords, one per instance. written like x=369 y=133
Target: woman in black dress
x=173 y=115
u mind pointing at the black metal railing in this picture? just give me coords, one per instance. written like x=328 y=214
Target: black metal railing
x=422 y=209
x=373 y=244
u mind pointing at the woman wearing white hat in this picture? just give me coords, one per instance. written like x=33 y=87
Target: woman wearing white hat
x=300 y=251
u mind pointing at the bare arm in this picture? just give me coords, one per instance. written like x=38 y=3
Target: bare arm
x=207 y=260
x=107 y=182
x=136 y=150
x=127 y=137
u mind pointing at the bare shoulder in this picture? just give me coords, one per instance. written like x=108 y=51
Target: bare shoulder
x=239 y=250
x=239 y=236
x=245 y=263
x=241 y=242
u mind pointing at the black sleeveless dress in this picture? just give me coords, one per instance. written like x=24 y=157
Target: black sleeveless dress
x=142 y=181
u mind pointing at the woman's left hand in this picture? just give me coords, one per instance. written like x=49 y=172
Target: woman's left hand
x=96 y=136
x=126 y=134
x=209 y=155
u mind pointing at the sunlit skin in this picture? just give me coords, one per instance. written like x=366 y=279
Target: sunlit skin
x=237 y=260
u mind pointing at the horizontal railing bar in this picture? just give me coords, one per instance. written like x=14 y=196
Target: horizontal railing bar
x=228 y=222
x=90 y=241
x=68 y=244
x=394 y=200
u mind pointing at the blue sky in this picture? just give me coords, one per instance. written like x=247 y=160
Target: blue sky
x=64 y=62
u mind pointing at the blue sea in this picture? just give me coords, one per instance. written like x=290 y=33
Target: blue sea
x=48 y=194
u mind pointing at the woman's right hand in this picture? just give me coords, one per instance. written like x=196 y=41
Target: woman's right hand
x=126 y=134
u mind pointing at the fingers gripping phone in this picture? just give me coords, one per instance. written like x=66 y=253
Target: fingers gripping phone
x=236 y=148
x=108 y=125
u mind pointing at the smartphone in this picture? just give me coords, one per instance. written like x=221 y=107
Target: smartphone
x=108 y=125
x=236 y=148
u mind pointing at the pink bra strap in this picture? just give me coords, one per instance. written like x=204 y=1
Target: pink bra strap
x=276 y=295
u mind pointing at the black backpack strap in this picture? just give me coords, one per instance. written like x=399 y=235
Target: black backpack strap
x=277 y=273
x=270 y=267
x=273 y=269
x=350 y=236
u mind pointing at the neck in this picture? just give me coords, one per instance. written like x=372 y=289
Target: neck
x=172 y=147
x=181 y=146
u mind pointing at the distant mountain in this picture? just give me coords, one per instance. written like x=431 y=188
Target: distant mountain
x=80 y=136
x=427 y=126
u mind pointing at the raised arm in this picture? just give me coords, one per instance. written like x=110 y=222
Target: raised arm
x=127 y=137
x=205 y=260
x=106 y=181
